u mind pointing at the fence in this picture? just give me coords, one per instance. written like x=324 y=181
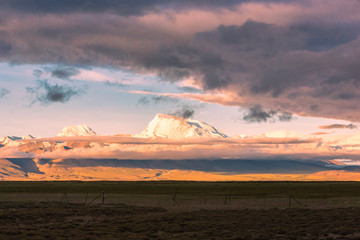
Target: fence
x=205 y=200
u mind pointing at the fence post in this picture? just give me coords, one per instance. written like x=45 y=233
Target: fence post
x=263 y=195
x=67 y=200
x=289 y=201
x=296 y=201
x=96 y=198
x=174 y=199
x=86 y=197
x=205 y=200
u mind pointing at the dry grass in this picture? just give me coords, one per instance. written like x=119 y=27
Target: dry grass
x=60 y=221
x=144 y=210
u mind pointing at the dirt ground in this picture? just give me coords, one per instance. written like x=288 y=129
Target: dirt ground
x=30 y=220
x=202 y=210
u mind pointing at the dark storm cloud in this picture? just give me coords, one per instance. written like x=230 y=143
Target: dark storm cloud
x=147 y=101
x=144 y=101
x=37 y=73
x=282 y=67
x=115 y=84
x=279 y=52
x=63 y=72
x=285 y=117
x=60 y=71
x=186 y=111
x=306 y=64
x=338 y=126
x=65 y=6
x=256 y=37
x=5 y=47
x=189 y=89
x=123 y=7
x=3 y=92
x=258 y=114
x=46 y=93
x=326 y=36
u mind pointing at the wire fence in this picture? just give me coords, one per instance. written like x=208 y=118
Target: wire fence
x=204 y=200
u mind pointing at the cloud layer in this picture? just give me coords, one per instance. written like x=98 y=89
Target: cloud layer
x=257 y=114
x=147 y=100
x=185 y=111
x=120 y=147
x=46 y=93
x=3 y=92
x=338 y=126
x=299 y=57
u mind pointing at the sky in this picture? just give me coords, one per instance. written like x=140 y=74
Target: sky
x=246 y=67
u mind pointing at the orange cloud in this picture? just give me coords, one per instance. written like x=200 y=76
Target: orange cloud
x=217 y=98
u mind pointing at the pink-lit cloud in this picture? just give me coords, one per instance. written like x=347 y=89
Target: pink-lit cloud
x=118 y=147
x=299 y=57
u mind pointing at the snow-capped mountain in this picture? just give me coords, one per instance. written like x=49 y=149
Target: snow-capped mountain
x=13 y=140
x=169 y=126
x=7 y=139
x=79 y=130
x=27 y=137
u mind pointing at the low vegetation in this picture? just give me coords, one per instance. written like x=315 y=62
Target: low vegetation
x=179 y=210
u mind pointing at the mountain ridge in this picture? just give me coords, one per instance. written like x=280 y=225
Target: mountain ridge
x=174 y=127
x=76 y=130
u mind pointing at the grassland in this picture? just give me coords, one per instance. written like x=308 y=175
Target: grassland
x=245 y=189
x=201 y=210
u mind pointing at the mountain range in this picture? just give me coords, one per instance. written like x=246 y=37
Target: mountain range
x=73 y=131
x=205 y=153
x=169 y=126
x=162 y=129
x=162 y=126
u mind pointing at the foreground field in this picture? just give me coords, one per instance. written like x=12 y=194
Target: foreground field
x=185 y=188
x=70 y=221
x=189 y=195
x=179 y=210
